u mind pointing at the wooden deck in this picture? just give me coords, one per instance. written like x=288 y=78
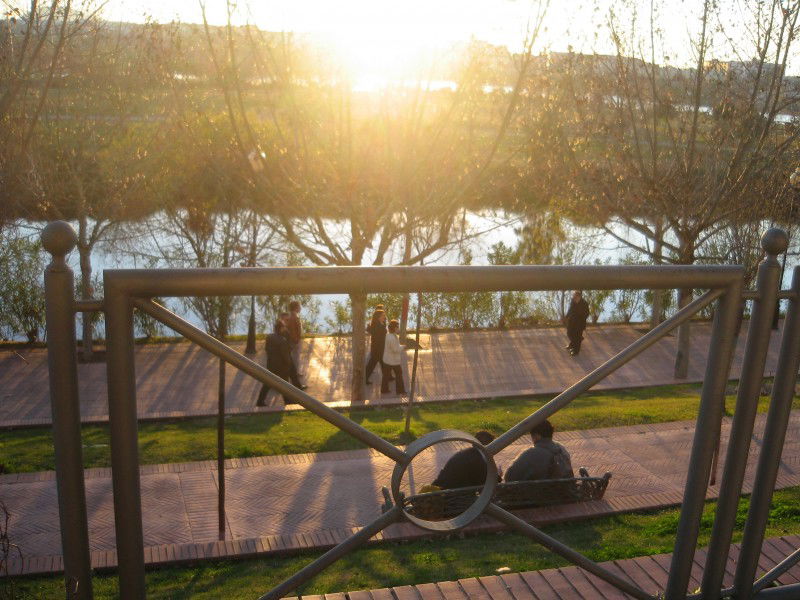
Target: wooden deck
x=649 y=573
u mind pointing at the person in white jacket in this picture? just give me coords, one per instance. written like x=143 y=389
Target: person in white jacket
x=392 y=353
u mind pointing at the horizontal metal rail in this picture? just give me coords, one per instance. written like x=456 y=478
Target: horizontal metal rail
x=784 y=592
x=782 y=295
x=571 y=555
x=96 y=305
x=604 y=370
x=87 y=306
x=213 y=345
x=339 y=280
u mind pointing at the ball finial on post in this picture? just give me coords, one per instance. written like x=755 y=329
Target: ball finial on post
x=59 y=238
x=774 y=241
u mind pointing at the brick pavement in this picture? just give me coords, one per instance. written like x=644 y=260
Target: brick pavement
x=175 y=380
x=285 y=503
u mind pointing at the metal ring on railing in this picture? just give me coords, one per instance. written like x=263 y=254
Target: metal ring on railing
x=477 y=507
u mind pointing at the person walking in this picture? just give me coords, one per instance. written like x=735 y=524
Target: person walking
x=392 y=358
x=377 y=336
x=576 y=322
x=279 y=360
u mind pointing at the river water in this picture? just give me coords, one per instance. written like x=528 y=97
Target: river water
x=585 y=245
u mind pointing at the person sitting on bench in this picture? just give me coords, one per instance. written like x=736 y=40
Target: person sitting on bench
x=466 y=468
x=546 y=460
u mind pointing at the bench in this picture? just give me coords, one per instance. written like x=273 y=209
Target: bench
x=442 y=504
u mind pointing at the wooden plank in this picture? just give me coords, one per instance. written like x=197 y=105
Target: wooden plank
x=540 y=586
x=473 y=589
x=429 y=591
x=641 y=575
x=581 y=584
x=381 y=594
x=450 y=590
x=655 y=570
x=406 y=592
x=559 y=583
x=496 y=587
x=516 y=585
x=604 y=589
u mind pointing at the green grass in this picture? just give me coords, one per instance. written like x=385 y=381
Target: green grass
x=26 y=450
x=392 y=564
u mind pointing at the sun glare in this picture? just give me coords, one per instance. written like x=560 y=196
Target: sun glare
x=382 y=44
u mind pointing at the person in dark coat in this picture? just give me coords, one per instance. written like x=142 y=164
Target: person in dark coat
x=576 y=322
x=377 y=337
x=466 y=468
x=279 y=359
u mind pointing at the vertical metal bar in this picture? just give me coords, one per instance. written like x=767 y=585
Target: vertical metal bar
x=774 y=241
x=706 y=432
x=774 y=434
x=58 y=239
x=124 y=441
x=412 y=388
x=221 y=450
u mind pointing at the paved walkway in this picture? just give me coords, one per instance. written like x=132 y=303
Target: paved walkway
x=175 y=380
x=648 y=573
x=285 y=503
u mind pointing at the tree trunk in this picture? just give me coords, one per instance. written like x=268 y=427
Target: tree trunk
x=85 y=254
x=359 y=304
x=407 y=238
x=658 y=295
x=250 y=349
x=685 y=296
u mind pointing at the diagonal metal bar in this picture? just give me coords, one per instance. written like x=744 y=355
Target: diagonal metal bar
x=334 y=554
x=776 y=571
x=571 y=555
x=603 y=371
x=204 y=340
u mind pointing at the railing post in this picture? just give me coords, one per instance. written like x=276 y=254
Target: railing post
x=123 y=427
x=58 y=238
x=774 y=434
x=706 y=433
x=774 y=242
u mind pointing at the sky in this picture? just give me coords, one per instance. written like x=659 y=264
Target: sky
x=375 y=32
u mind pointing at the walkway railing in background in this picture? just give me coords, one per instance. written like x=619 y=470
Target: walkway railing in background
x=126 y=290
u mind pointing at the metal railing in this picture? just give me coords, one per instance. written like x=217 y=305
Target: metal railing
x=126 y=290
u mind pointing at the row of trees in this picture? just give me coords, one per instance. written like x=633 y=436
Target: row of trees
x=228 y=146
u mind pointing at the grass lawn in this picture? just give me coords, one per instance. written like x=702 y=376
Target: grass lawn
x=26 y=450
x=391 y=564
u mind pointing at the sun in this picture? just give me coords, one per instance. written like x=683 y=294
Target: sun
x=383 y=41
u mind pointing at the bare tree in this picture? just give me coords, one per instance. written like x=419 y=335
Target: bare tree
x=666 y=158
x=33 y=43
x=349 y=178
